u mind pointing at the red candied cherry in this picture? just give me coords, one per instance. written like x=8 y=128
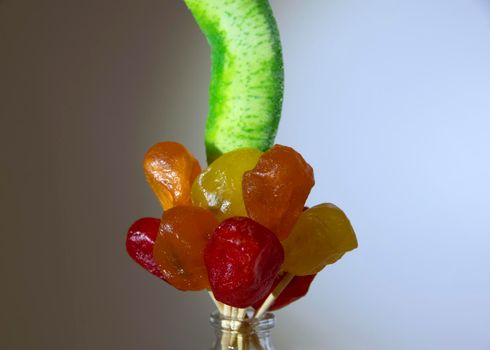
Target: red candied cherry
x=242 y=259
x=140 y=241
x=296 y=289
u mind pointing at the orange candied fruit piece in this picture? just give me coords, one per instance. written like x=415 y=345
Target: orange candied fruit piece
x=179 y=247
x=276 y=190
x=170 y=170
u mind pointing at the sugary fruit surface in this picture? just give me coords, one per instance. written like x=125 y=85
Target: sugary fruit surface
x=140 y=241
x=179 y=247
x=170 y=170
x=275 y=190
x=321 y=236
x=296 y=289
x=219 y=187
x=243 y=259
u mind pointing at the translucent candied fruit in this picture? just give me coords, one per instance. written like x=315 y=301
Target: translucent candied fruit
x=170 y=170
x=243 y=259
x=296 y=289
x=219 y=187
x=322 y=235
x=140 y=241
x=276 y=189
x=179 y=247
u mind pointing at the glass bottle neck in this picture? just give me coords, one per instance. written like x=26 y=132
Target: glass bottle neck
x=246 y=334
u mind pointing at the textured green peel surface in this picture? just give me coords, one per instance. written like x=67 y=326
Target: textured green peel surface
x=247 y=76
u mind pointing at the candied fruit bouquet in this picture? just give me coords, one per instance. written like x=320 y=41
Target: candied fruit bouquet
x=238 y=229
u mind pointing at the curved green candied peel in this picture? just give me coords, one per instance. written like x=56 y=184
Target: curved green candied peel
x=246 y=76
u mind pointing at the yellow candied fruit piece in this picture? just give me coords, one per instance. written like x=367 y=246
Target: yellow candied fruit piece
x=219 y=187
x=321 y=236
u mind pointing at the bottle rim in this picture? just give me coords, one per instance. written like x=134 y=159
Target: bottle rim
x=220 y=322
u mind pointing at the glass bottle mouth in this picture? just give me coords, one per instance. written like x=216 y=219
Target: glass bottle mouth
x=247 y=325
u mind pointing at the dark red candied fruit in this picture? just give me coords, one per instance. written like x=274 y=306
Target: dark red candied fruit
x=242 y=259
x=296 y=289
x=140 y=241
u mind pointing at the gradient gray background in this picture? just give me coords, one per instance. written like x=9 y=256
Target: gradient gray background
x=387 y=99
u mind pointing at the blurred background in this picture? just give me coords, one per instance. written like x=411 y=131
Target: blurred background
x=387 y=99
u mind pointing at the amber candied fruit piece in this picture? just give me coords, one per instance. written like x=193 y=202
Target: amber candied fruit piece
x=275 y=190
x=179 y=247
x=170 y=170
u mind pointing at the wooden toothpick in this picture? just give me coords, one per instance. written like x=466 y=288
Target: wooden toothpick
x=273 y=296
x=216 y=302
x=238 y=314
x=225 y=336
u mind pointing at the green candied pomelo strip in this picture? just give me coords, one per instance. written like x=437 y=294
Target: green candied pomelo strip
x=247 y=74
